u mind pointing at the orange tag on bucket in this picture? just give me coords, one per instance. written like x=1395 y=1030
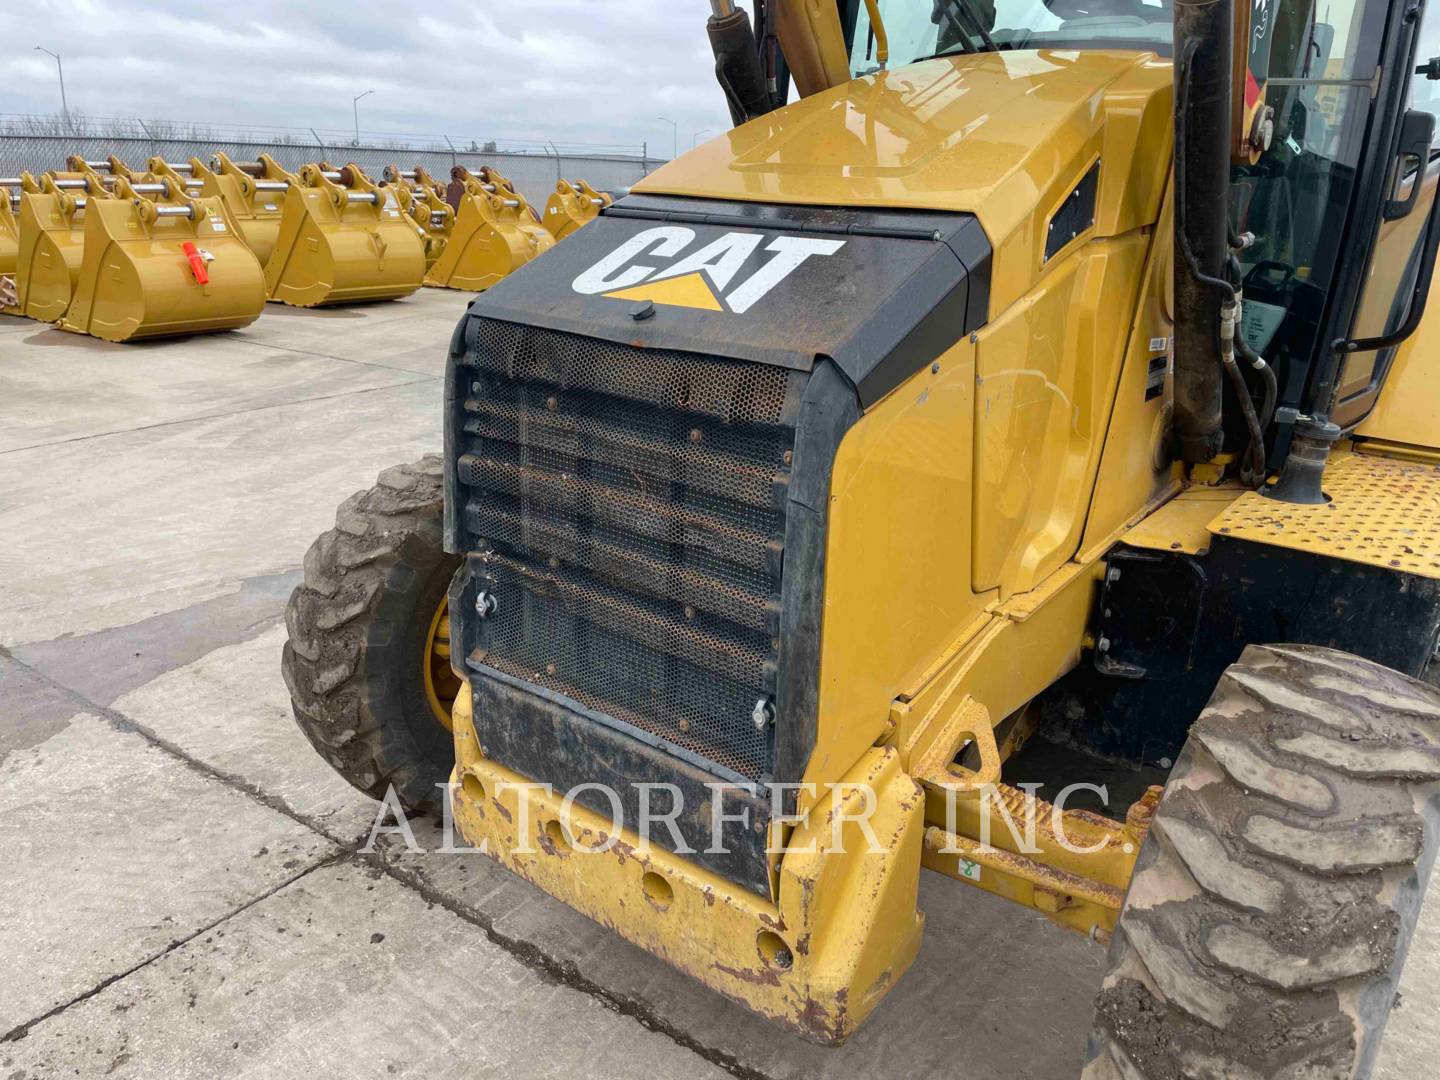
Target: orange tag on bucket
x=197 y=263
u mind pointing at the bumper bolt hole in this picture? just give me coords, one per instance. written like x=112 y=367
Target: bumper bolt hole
x=657 y=890
x=473 y=789
x=773 y=950
x=555 y=833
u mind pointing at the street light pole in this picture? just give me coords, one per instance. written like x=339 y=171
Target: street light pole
x=674 y=136
x=695 y=138
x=355 y=106
x=64 y=105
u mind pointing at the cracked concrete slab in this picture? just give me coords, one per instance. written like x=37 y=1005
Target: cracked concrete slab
x=142 y=384
x=104 y=665
x=114 y=851
x=112 y=530
x=410 y=334
x=231 y=710
x=948 y=1015
x=33 y=708
x=345 y=972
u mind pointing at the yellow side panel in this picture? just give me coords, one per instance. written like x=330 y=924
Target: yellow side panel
x=1046 y=372
x=1409 y=407
x=1135 y=466
x=897 y=575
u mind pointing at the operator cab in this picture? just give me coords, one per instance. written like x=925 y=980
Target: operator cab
x=1294 y=204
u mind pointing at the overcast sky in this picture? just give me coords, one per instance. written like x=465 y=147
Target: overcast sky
x=565 y=70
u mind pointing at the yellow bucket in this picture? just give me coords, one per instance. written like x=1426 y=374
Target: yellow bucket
x=572 y=206
x=342 y=239
x=163 y=266
x=495 y=233
x=51 y=230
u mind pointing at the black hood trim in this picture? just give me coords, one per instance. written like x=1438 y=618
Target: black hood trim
x=913 y=284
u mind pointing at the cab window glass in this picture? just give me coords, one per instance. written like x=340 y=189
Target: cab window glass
x=922 y=28
x=1296 y=199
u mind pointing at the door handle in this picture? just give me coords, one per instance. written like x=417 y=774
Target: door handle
x=1417 y=130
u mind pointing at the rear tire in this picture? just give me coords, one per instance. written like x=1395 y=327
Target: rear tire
x=360 y=638
x=1267 y=922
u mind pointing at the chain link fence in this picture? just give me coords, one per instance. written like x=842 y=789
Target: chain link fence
x=533 y=173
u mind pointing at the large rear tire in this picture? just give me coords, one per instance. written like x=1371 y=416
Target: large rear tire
x=366 y=662
x=1268 y=919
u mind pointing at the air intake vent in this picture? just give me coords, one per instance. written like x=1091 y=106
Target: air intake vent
x=628 y=505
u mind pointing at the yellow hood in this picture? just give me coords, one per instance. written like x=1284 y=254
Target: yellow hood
x=1003 y=135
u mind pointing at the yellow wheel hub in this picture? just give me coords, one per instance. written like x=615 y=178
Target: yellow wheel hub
x=441 y=685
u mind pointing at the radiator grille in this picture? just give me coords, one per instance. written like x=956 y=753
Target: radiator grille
x=630 y=507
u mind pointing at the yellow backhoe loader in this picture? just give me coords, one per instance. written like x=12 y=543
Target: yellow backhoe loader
x=1043 y=394
x=571 y=205
x=495 y=233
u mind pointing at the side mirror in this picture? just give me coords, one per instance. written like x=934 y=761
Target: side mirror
x=1430 y=69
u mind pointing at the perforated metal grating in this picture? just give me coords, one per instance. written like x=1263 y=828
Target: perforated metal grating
x=1382 y=512
x=630 y=503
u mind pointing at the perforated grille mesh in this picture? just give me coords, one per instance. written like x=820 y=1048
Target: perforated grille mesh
x=631 y=504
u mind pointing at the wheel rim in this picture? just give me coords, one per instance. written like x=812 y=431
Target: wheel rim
x=441 y=684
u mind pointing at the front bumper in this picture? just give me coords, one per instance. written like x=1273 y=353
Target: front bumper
x=817 y=959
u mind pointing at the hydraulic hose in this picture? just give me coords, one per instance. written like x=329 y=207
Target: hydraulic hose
x=877 y=27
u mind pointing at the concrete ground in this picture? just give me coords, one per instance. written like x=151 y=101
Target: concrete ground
x=183 y=893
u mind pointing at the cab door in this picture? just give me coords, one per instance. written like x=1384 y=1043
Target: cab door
x=1400 y=252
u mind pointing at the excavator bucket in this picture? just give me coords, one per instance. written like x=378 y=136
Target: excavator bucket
x=422 y=200
x=253 y=193
x=495 y=233
x=9 y=231
x=488 y=174
x=107 y=170
x=51 y=230
x=343 y=239
x=572 y=205
x=158 y=262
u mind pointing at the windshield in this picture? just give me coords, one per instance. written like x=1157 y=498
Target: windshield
x=922 y=28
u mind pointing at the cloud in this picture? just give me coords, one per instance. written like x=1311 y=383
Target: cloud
x=568 y=71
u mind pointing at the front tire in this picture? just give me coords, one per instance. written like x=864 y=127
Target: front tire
x=1267 y=922
x=366 y=658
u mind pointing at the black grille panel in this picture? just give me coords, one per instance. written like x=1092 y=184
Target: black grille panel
x=629 y=507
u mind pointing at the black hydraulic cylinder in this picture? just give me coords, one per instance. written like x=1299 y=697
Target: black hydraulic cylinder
x=737 y=63
x=1203 y=59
